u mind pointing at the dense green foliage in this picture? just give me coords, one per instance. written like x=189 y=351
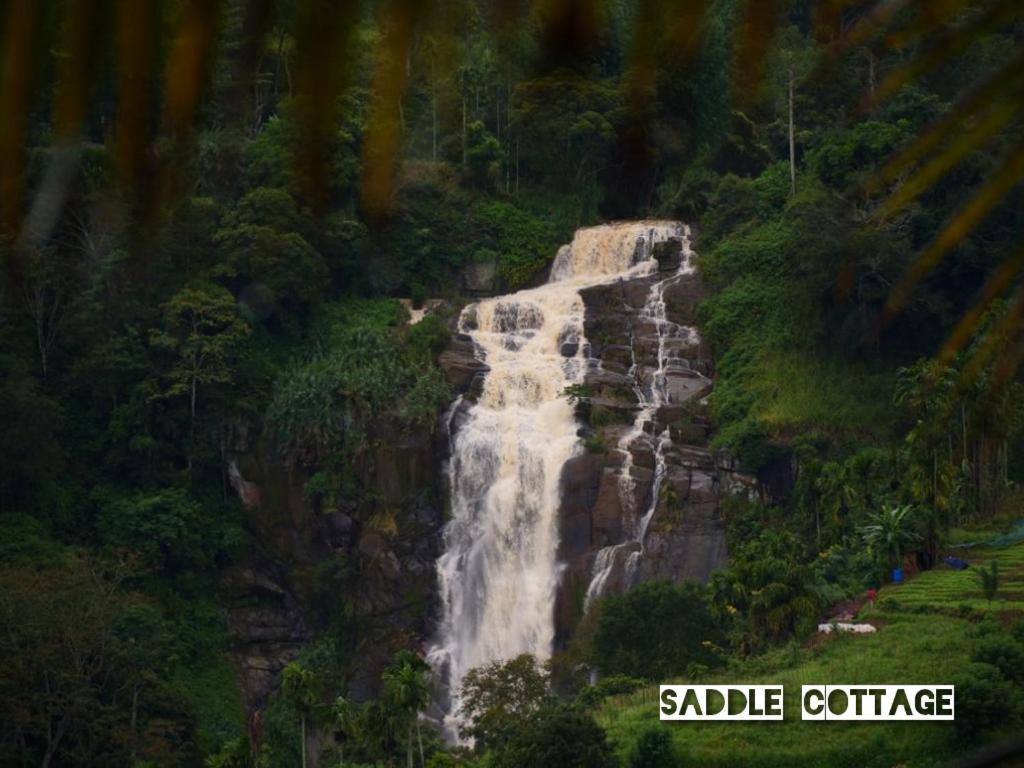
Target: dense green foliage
x=555 y=737
x=655 y=631
x=937 y=621
x=498 y=698
x=172 y=310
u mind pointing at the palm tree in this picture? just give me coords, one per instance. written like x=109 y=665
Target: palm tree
x=299 y=686
x=891 y=532
x=345 y=716
x=407 y=690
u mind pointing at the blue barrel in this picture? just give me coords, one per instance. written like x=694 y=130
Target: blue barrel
x=897 y=575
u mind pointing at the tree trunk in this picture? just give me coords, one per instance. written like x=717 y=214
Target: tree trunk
x=871 y=75
x=192 y=418
x=792 y=148
x=303 y=737
x=53 y=741
x=408 y=746
x=517 y=166
x=463 y=131
x=134 y=717
x=419 y=738
x=42 y=357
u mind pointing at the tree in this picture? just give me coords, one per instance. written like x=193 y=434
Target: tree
x=268 y=256
x=57 y=628
x=890 y=532
x=168 y=529
x=655 y=631
x=567 y=124
x=483 y=153
x=654 y=749
x=48 y=296
x=201 y=331
x=87 y=680
x=346 y=724
x=299 y=686
x=557 y=736
x=498 y=696
x=407 y=689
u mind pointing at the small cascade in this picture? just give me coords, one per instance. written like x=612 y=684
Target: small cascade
x=499 y=574
x=651 y=387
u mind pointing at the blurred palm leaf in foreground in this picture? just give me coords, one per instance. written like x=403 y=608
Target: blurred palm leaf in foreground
x=163 y=54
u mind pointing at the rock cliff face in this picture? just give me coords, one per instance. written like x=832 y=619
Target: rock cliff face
x=361 y=565
x=641 y=502
x=644 y=455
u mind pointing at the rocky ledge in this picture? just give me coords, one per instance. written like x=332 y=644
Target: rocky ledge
x=606 y=489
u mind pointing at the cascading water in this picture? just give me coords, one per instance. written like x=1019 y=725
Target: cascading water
x=499 y=571
x=651 y=389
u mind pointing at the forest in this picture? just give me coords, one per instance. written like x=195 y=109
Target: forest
x=223 y=490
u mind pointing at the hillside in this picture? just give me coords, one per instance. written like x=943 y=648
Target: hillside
x=936 y=625
x=390 y=382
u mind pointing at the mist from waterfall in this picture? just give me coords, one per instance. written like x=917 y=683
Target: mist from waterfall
x=499 y=573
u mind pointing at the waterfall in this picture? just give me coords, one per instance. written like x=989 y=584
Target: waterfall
x=651 y=390
x=499 y=573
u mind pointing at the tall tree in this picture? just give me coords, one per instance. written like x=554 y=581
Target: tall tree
x=407 y=688
x=201 y=330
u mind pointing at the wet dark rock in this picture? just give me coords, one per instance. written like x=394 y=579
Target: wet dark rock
x=686 y=535
x=479 y=278
x=461 y=366
x=668 y=254
x=580 y=479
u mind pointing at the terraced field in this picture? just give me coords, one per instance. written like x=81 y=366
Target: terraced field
x=946 y=590
x=925 y=635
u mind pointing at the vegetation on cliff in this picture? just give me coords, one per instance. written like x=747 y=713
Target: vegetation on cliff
x=209 y=212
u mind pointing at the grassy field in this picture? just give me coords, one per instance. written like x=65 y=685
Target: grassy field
x=924 y=636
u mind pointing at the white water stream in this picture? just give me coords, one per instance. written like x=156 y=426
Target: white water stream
x=651 y=389
x=499 y=572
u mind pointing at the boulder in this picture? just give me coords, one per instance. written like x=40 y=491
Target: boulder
x=460 y=365
x=480 y=278
x=668 y=254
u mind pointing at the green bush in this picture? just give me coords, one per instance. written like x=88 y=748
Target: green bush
x=654 y=749
x=613 y=685
x=556 y=737
x=1004 y=653
x=656 y=631
x=361 y=368
x=525 y=243
x=985 y=700
x=169 y=529
x=429 y=337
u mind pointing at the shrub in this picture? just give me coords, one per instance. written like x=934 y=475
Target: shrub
x=556 y=737
x=654 y=749
x=612 y=685
x=363 y=367
x=168 y=528
x=988 y=579
x=1004 y=653
x=429 y=337
x=985 y=700
x=499 y=696
x=655 y=631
